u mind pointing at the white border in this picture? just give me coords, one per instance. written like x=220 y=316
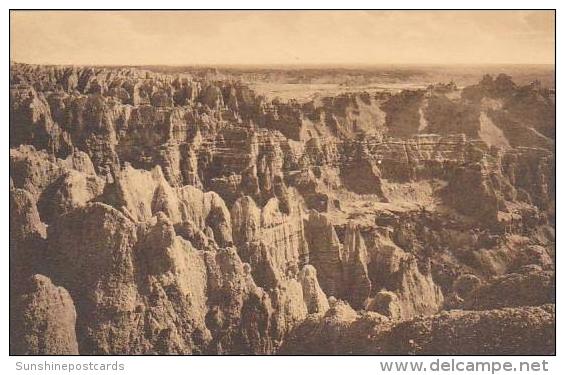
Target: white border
x=264 y=365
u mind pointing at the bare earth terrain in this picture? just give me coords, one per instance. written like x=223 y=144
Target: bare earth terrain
x=185 y=210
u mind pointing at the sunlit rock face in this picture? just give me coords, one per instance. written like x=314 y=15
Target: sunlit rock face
x=182 y=213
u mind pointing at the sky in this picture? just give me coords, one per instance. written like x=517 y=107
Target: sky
x=282 y=37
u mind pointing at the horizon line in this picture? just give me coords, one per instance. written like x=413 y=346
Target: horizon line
x=283 y=65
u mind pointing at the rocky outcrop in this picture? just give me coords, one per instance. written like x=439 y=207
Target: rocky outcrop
x=509 y=331
x=326 y=252
x=162 y=294
x=28 y=236
x=278 y=226
x=57 y=185
x=385 y=279
x=141 y=194
x=342 y=268
x=362 y=177
x=417 y=293
x=341 y=330
x=512 y=331
x=407 y=290
x=386 y=303
x=239 y=313
x=357 y=284
x=32 y=122
x=186 y=214
x=35 y=170
x=73 y=189
x=42 y=319
x=475 y=181
x=532 y=288
x=314 y=296
x=141 y=281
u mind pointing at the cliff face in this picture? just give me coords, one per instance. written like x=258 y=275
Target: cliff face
x=511 y=331
x=42 y=319
x=162 y=213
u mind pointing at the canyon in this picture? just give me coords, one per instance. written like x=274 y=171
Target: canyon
x=182 y=212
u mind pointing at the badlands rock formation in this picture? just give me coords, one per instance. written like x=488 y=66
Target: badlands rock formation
x=156 y=213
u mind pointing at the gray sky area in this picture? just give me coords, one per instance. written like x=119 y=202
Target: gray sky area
x=283 y=37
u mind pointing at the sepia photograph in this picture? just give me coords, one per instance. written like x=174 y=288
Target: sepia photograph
x=282 y=182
